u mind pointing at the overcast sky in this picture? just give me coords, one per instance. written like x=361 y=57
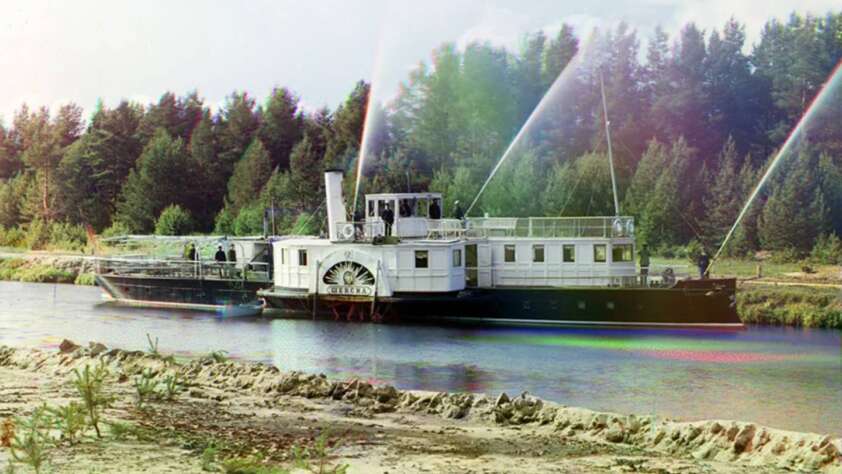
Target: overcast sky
x=52 y=52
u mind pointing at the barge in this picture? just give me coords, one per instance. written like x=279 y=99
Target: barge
x=157 y=273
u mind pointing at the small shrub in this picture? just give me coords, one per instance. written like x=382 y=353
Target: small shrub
x=44 y=274
x=172 y=387
x=116 y=229
x=209 y=459
x=144 y=385
x=789 y=255
x=91 y=387
x=217 y=357
x=85 y=279
x=12 y=237
x=67 y=236
x=316 y=459
x=31 y=444
x=37 y=235
x=69 y=420
x=174 y=220
x=122 y=431
x=828 y=250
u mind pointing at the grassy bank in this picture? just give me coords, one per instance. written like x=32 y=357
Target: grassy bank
x=31 y=271
x=790 y=306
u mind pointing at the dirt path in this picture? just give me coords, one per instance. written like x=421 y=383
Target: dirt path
x=236 y=411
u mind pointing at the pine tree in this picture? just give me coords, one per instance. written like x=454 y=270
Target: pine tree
x=795 y=213
x=160 y=178
x=281 y=127
x=250 y=174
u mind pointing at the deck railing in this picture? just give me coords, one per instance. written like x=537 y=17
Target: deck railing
x=180 y=268
x=550 y=227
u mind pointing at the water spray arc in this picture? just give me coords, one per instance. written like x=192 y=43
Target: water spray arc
x=832 y=81
x=562 y=79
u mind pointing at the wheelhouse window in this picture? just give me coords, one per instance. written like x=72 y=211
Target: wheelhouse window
x=422 y=259
x=621 y=253
x=457 y=258
x=508 y=253
x=302 y=258
x=600 y=253
x=568 y=253
x=538 y=253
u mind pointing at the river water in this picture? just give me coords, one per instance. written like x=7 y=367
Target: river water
x=784 y=378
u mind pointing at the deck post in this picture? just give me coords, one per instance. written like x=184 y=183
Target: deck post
x=316 y=292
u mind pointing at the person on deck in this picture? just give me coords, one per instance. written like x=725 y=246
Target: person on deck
x=644 y=264
x=388 y=217
x=405 y=210
x=191 y=252
x=703 y=263
x=219 y=258
x=435 y=210
x=232 y=262
x=458 y=212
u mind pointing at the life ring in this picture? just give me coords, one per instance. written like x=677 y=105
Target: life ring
x=668 y=277
x=347 y=231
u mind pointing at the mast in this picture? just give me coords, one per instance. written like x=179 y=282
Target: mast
x=608 y=140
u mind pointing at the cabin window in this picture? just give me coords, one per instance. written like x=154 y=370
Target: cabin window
x=568 y=253
x=538 y=253
x=422 y=259
x=283 y=256
x=621 y=253
x=302 y=258
x=508 y=253
x=457 y=258
x=599 y=253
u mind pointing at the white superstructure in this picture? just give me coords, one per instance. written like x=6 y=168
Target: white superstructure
x=427 y=254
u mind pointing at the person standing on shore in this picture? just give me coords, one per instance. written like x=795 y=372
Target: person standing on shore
x=644 y=264
x=703 y=263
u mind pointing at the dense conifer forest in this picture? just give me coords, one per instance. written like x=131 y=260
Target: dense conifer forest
x=695 y=119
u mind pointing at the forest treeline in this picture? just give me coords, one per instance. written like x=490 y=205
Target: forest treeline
x=694 y=118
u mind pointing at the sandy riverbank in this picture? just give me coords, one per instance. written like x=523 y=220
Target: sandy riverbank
x=245 y=409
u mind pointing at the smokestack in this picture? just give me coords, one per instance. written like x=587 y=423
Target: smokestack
x=336 y=211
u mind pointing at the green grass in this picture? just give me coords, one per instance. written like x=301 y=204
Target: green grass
x=730 y=267
x=790 y=306
x=19 y=269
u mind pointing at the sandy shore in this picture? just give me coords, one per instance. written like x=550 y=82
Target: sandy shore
x=253 y=411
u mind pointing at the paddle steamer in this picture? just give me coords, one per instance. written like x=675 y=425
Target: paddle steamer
x=537 y=270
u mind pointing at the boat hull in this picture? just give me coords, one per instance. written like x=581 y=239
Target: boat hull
x=179 y=293
x=695 y=303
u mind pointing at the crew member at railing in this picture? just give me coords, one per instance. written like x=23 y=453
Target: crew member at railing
x=388 y=217
x=219 y=258
x=405 y=209
x=435 y=210
x=457 y=211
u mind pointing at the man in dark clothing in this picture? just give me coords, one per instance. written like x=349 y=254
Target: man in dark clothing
x=359 y=221
x=458 y=212
x=232 y=262
x=405 y=210
x=644 y=264
x=191 y=252
x=388 y=217
x=703 y=263
x=219 y=258
x=435 y=210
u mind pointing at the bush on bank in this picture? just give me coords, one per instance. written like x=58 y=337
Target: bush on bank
x=790 y=306
x=18 y=269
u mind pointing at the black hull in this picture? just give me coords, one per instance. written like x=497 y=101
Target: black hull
x=699 y=303
x=188 y=293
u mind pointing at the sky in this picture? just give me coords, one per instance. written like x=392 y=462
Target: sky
x=54 y=52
